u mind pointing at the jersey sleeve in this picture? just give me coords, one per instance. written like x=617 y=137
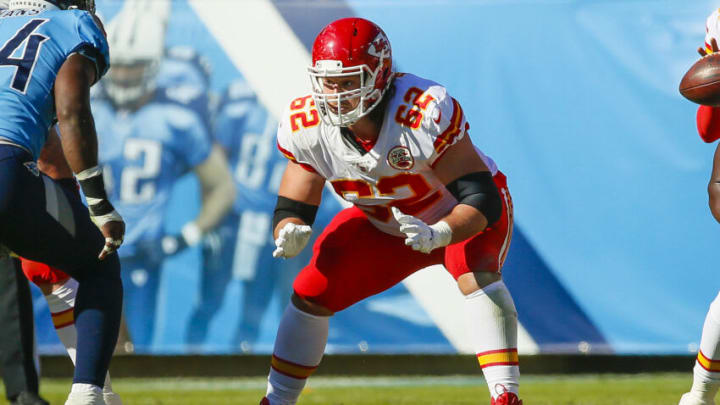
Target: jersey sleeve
x=445 y=123
x=290 y=144
x=92 y=43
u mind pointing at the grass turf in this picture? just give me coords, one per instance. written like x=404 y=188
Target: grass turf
x=606 y=389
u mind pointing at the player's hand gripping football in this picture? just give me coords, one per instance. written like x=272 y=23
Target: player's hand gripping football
x=421 y=236
x=713 y=45
x=112 y=227
x=291 y=240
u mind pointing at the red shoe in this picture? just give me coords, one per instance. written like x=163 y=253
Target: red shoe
x=507 y=398
x=264 y=401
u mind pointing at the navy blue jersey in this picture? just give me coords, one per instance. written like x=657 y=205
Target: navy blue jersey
x=144 y=153
x=35 y=46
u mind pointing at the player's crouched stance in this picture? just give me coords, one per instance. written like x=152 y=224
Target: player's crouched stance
x=397 y=147
x=64 y=51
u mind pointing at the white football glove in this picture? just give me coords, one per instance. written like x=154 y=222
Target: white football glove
x=292 y=238
x=421 y=236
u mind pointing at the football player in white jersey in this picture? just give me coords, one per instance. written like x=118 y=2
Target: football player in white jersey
x=706 y=373
x=397 y=147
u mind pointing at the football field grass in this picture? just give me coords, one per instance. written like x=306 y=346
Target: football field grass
x=605 y=389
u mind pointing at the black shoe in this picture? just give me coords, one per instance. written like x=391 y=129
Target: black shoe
x=29 y=398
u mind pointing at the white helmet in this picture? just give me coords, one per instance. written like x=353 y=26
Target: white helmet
x=137 y=45
x=88 y=5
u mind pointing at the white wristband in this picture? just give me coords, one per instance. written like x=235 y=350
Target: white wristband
x=192 y=233
x=101 y=220
x=442 y=234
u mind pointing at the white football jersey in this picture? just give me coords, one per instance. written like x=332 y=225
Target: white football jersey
x=421 y=121
x=712 y=29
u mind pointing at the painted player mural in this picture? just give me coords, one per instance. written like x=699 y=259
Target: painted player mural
x=184 y=95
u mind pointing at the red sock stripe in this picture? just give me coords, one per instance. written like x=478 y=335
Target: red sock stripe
x=63 y=318
x=708 y=363
x=291 y=369
x=502 y=357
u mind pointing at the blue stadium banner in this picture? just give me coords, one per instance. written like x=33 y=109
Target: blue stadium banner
x=614 y=249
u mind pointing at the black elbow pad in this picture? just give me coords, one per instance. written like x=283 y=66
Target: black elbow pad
x=478 y=190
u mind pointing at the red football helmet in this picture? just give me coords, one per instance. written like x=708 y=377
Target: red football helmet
x=348 y=47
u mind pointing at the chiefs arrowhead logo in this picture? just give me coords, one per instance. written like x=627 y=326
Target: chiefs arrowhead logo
x=400 y=158
x=380 y=46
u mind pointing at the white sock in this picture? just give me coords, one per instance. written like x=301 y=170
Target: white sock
x=706 y=373
x=299 y=347
x=85 y=388
x=492 y=321
x=61 y=303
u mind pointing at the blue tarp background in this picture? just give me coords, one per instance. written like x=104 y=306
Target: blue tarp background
x=577 y=102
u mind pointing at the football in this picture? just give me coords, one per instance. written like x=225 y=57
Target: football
x=701 y=84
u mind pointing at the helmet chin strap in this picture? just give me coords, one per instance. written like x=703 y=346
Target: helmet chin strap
x=36 y=4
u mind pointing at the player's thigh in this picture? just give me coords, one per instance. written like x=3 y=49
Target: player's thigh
x=10 y=182
x=486 y=251
x=353 y=260
x=43 y=224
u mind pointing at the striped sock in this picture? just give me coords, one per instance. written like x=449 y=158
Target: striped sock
x=299 y=347
x=61 y=303
x=492 y=320
x=706 y=373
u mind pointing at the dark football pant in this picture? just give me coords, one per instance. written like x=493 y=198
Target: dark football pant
x=39 y=220
x=17 y=340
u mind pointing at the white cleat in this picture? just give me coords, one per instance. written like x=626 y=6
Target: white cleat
x=690 y=398
x=85 y=398
x=112 y=398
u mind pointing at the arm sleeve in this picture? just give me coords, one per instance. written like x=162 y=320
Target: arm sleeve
x=92 y=43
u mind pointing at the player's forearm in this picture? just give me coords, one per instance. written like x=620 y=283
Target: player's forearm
x=465 y=222
x=79 y=141
x=218 y=189
x=216 y=203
